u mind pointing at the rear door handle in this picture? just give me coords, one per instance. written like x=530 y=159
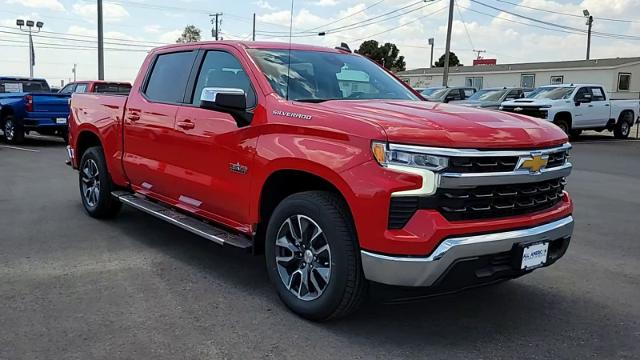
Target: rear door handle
x=187 y=125
x=606 y=104
x=133 y=117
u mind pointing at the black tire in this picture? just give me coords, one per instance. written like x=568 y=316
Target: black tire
x=563 y=125
x=98 y=204
x=65 y=136
x=575 y=133
x=623 y=126
x=12 y=130
x=346 y=287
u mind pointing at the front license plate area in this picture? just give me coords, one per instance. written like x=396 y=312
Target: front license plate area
x=534 y=256
x=61 y=120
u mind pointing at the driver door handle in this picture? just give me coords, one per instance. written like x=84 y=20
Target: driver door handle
x=133 y=117
x=186 y=125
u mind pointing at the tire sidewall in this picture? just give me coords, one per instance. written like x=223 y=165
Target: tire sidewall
x=96 y=155
x=18 y=134
x=330 y=299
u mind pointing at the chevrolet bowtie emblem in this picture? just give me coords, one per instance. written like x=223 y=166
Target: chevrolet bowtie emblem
x=534 y=163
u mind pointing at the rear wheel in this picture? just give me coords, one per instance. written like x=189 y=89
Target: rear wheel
x=575 y=133
x=13 y=131
x=313 y=258
x=623 y=126
x=96 y=186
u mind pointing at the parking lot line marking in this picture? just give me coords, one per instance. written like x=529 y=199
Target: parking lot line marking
x=19 y=148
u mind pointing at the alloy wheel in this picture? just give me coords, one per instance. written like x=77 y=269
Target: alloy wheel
x=303 y=257
x=90 y=182
x=9 y=129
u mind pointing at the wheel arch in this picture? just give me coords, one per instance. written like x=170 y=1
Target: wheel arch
x=85 y=140
x=283 y=182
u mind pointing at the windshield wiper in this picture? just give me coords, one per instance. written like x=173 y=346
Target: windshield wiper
x=315 y=101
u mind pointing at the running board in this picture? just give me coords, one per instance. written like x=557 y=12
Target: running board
x=189 y=223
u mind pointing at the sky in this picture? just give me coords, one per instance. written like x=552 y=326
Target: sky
x=132 y=27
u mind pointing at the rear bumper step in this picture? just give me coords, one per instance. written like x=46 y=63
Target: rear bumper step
x=189 y=223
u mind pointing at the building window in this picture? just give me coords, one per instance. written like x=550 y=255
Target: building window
x=528 y=81
x=557 y=79
x=624 y=81
x=474 y=82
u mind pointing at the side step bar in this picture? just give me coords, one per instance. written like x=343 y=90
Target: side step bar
x=189 y=223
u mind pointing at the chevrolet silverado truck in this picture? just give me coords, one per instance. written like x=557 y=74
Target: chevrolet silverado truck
x=330 y=167
x=28 y=105
x=578 y=107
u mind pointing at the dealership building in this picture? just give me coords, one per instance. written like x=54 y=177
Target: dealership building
x=620 y=76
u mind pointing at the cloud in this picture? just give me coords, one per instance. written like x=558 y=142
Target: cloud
x=152 y=29
x=170 y=37
x=326 y=3
x=263 y=4
x=111 y=12
x=54 y=5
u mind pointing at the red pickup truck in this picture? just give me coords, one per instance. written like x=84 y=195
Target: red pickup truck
x=333 y=168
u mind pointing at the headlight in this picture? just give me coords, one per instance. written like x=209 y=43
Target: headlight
x=386 y=156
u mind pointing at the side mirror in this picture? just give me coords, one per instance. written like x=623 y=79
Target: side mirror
x=227 y=100
x=449 y=98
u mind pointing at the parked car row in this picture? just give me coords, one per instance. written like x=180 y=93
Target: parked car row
x=28 y=104
x=572 y=107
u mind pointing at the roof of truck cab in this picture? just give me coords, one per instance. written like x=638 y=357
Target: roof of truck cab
x=571 y=85
x=258 y=45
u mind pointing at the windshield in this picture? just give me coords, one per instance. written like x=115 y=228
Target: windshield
x=438 y=93
x=488 y=95
x=552 y=93
x=430 y=91
x=18 y=86
x=317 y=76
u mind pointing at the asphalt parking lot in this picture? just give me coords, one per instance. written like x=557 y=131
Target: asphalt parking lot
x=72 y=287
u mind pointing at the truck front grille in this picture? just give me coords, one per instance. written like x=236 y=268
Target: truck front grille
x=495 y=201
x=482 y=164
x=526 y=110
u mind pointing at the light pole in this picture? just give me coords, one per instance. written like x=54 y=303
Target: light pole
x=100 y=43
x=431 y=40
x=445 y=74
x=29 y=29
x=589 y=23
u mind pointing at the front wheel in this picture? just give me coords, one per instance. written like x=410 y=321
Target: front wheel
x=13 y=132
x=313 y=258
x=96 y=186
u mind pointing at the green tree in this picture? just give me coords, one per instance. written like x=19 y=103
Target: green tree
x=386 y=55
x=453 y=60
x=190 y=34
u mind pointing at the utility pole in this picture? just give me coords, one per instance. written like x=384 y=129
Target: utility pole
x=74 y=71
x=479 y=52
x=445 y=74
x=32 y=54
x=215 y=21
x=100 y=43
x=254 y=27
x=431 y=40
x=589 y=23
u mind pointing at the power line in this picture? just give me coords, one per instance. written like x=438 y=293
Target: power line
x=347 y=16
x=563 y=13
x=78 y=40
x=402 y=25
x=465 y=25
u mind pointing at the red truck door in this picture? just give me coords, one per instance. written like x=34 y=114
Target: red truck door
x=217 y=154
x=150 y=150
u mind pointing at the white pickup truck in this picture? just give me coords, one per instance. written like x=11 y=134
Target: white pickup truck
x=577 y=107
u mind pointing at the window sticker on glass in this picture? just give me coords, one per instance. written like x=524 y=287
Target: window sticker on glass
x=13 y=87
x=596 y=92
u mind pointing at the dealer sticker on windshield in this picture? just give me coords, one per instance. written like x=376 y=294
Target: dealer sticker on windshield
x=534 y=256
x=61 y=120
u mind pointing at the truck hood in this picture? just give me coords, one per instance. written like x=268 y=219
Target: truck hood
x=444 y=125
x=476 y=103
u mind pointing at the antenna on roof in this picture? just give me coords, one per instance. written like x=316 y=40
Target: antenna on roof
x=289 y=57
x=344 y=47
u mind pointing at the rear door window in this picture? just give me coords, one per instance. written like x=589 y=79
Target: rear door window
x=169 y=76
x=597 y=94
x=81 y=88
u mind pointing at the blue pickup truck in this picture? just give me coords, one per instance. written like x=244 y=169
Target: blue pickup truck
x=29 y=105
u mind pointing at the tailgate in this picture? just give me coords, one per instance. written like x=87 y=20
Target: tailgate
x=49 y=102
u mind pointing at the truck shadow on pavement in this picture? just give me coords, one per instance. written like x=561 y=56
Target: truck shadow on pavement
x=517 y=315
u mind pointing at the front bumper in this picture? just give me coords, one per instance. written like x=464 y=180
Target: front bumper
x=427 y=271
